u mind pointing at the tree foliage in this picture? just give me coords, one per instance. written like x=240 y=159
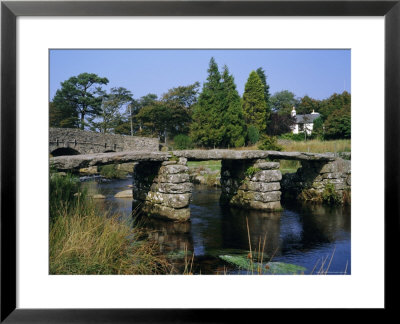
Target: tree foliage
x=307 y=105
x=169 y=116
x=283 y=102
x=110 y=114
x=280 y=124
x=261 y=73
x=253 y=134
x=338 y=124
x=233 y=122
x=207 y=129
x=218 y=115
x=334 y=103
x=78 y=98
x=254 y=105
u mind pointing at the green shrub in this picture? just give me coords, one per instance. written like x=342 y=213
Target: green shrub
x=269 y=143
x=239 y=142
x=330 y=195
x=251 y=171
x=253 y=134
x=293 y=137
x=111 y=171
x=182 y=142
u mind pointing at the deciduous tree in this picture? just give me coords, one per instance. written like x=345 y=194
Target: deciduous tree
x=110 y=113
x=283 y=102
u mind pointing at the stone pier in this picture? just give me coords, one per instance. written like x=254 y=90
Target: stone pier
x=314 y=177
x=252 y=184
x=162 y=189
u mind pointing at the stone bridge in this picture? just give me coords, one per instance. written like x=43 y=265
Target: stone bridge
x=249 y=179
x=72 y=141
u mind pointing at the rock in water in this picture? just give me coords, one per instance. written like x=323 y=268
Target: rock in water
x=98 y=196
x=124 y=194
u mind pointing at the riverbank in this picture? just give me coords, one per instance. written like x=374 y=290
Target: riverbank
x=86 y=239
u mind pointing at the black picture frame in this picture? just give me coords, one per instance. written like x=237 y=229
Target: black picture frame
x=10 y=10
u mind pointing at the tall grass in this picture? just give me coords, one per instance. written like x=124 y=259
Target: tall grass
x=85 y=240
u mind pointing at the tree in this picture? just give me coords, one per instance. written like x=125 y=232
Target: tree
x=254 y=105
x=280 y=124
x=333 y=103
x=171 y=115
x=183 y=96
x=207 y=125
x=263 y=78
x=110 y=115
x=78 y=98
x=63 y=116
x=283 y=102
x=155 y=118
x=307 y=105
x=233 y=122
x=253 y=134
x=338 y=124
x=318 y=128
x=134 y=108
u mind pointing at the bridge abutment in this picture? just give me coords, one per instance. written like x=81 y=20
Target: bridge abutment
x=252 y=184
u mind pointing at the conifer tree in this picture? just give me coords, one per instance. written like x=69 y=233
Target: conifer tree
x=207 y=128
x=254 y=105
x=261 y=73
x=233 y=118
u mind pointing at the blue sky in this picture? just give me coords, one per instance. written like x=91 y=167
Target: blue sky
x=316 y=73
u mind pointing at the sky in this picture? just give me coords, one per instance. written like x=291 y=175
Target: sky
x=316 y=73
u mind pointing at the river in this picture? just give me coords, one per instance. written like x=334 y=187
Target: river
x=312 y=236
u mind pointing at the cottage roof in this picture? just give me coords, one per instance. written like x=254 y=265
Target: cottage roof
x=307 y=118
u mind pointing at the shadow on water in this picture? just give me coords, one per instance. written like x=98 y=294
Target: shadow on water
x=302 y=234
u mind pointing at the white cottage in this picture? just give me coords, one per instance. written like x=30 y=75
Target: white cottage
x=304 y=123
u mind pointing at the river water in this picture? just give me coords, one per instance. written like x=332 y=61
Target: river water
x=312 y=236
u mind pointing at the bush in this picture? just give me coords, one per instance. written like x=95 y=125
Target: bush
x=251 y=171
x=269 y=143
x=111 y=171
x=253 y=134
x=330 y=195
x=182 y=142
x=239 y=142
x=293 y=137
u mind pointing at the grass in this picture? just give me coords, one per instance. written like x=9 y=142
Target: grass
x=85 y=240
x=212 y=165
x=317 y=146
x=287 y=166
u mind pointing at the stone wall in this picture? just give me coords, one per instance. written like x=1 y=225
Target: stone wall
x=85 y=142
x=313 y=178
x=252 y=184
x=162 y=189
